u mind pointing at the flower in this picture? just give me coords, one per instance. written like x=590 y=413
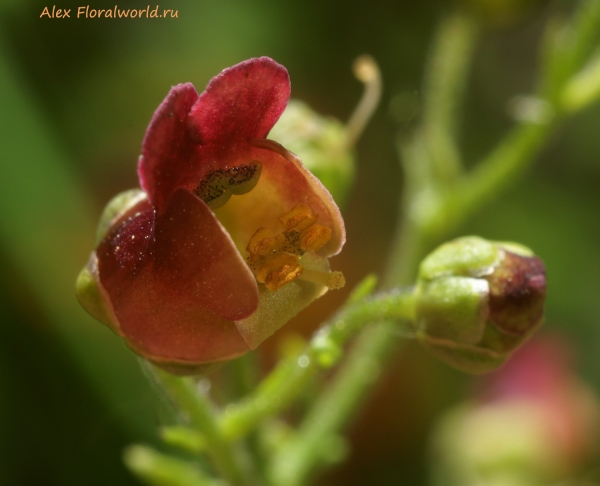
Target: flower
x=477 y=301
x=533 y=422
x=188 y=274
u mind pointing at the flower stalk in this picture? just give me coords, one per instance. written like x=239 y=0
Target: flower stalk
x=290 y=377
x=202 y=418
x=158 y=469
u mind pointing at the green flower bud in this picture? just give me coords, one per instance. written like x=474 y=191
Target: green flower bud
x=321 y=143
x=476 y=301
x=325 y=144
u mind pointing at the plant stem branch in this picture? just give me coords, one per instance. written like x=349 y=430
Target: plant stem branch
x=334 y=409
x=159 y=469
x=291 y=376
x=202 y=418
x=445 y=85
x=336 y=406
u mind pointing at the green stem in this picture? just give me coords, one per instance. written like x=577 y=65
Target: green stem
x=202 y=418
x=158 y=469
x=445 y=85
x=514 y=155
x=336 y=406
x=431 y=159
x=290 y=377
x=243 y=375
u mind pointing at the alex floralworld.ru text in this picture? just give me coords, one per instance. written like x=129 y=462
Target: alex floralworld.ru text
x=113 y=13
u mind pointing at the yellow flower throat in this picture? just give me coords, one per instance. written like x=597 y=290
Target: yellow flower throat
x=274 y=258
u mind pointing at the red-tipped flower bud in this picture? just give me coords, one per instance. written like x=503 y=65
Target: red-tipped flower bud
x=477 y=301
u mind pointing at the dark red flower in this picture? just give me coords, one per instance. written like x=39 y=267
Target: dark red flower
x=188 y=274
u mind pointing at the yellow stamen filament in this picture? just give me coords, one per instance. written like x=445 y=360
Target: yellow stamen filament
x=366 y=70
x=275 y=258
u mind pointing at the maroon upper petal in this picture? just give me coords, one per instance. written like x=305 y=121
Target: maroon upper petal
x=190 y=136
x=168 y=158
x=241 y=103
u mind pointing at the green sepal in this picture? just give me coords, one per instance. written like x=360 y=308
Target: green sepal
x=91 y=296
x=454 y=308
x=469 y=256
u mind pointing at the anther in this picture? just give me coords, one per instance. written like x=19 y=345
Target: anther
x=278 y=270
x=217 y=187
x=275 y=258
x=261 y=243
x=299 y=218
x=315 y=237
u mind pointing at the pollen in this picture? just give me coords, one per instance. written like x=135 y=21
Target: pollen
x=274 y=258
x=217 y=187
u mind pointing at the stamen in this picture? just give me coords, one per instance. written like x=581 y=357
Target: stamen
x=275 y=258
x=366 y=70
x=315 y=237
x=333 y=281
x=261 y=243
x=299 y=218
x=217 y=186
x=278 y=270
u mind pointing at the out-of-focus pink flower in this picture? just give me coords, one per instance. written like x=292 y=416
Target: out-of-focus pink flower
x=188 y=274
x=534 y=422
x=541 y=375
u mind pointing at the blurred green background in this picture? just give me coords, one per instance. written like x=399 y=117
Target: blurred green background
x=75 y=98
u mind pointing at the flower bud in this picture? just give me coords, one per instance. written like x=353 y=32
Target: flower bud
x=322 y=143
x=476 y=301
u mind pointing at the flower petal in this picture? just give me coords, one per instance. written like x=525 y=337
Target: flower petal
x=284 y=182
x=194 y=253
x=169 y=281
x=191 y=136
x=164 y=326
x=168 y=158
x=241 y=103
